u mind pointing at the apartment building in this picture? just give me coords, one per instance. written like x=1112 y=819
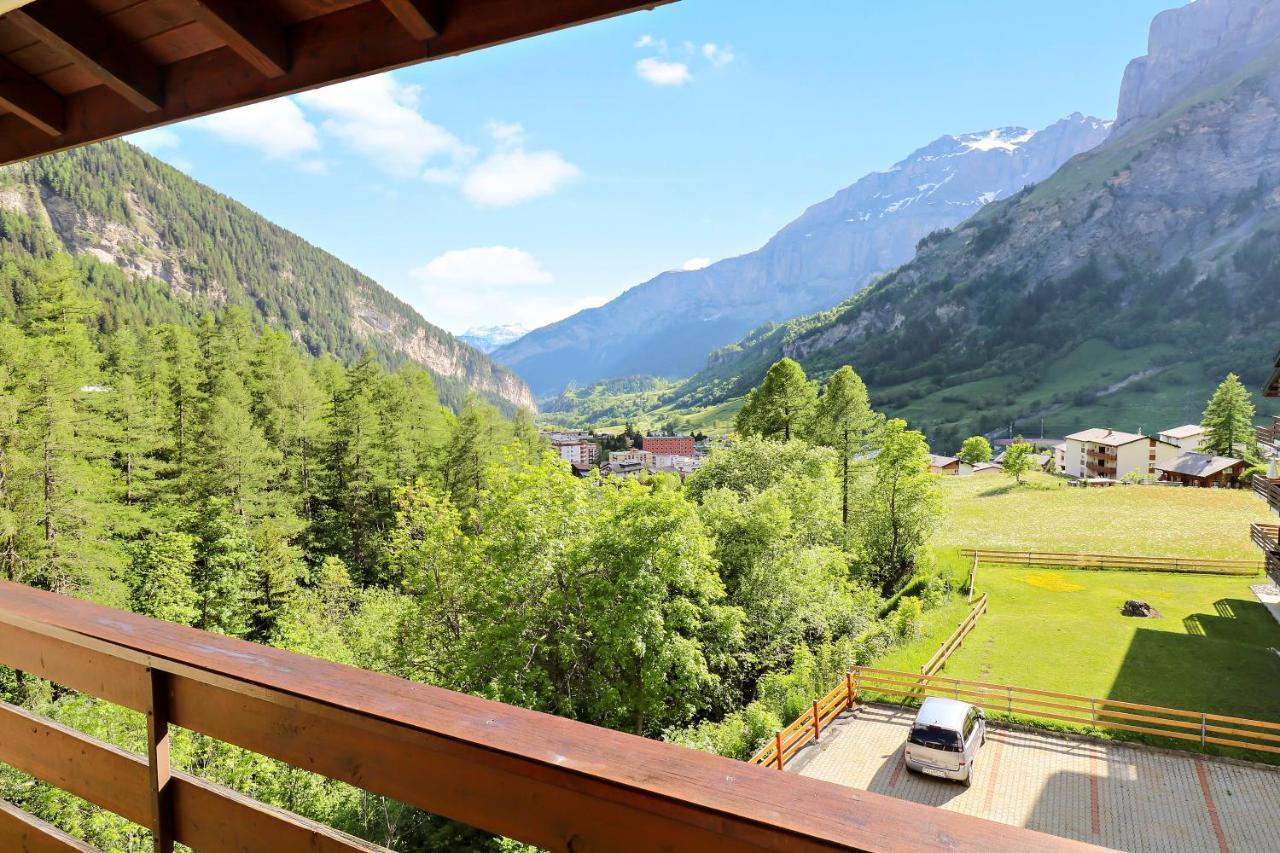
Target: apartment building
x=1111 y=454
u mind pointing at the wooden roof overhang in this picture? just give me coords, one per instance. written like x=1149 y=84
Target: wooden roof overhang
x=1272 y=388
x=79 y=71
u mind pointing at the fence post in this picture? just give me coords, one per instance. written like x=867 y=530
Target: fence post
x=1093 y=711
x=848 y=690
x=777 y=744
x=1009 y=691
x=1203 y=726
x=817 y=723
x=158 y=767
x=973 y=575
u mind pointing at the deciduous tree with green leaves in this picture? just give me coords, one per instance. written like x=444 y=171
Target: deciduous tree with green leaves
x=1018 y=460
x=975 y=449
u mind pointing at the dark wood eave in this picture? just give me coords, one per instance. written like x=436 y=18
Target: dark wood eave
x=79 y=71
x=1272 y=388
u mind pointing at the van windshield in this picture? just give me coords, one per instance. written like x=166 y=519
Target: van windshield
x=936 y=737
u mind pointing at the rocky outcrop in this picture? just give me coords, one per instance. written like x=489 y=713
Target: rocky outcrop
x=668 y=325
x=1191 y=47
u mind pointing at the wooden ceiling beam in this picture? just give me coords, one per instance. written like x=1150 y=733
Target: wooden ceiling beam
x=31 y=100
x=69 y=29
x=248 y=30
x=423 y=19
x=342 y=45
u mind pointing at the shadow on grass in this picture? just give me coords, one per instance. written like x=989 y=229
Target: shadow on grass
x=1010 y=488
x=1223 y=664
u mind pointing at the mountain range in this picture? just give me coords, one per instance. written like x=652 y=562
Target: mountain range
x=1147 y=264
x=489 y=338
x=668 y=325
x=161 y=246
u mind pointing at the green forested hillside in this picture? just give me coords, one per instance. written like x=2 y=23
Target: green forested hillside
x=158 y=246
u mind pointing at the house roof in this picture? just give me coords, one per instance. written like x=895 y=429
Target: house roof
x=1198 y=465
x=1187 y=431
x=941 y=461
x=985 y=466
x=1108 y=437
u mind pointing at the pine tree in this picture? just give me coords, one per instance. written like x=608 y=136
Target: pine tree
x=1229 y=420
x=469 y=453
x=782 y=404
x=160 y=578
x=843 y=420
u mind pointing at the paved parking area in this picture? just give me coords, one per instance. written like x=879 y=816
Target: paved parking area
x=1104 y=793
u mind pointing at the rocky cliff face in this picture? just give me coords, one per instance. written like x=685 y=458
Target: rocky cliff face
x=122 y=207
x=1158 y=247
x=668 y=325
x=1189 y=48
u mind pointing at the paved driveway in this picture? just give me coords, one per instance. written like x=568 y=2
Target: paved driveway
x=1104 y=793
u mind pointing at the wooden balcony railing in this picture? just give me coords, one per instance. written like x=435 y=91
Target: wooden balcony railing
x=1267 y=434
x=1269 y=490
x=1266 y=536
x=541 y=779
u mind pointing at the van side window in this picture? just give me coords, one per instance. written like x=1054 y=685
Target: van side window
x=970 y=720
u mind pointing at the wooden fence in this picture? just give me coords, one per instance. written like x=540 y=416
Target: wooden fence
x=1116 y=562
x=547 y=781
x=808 y=726
x=939 y=659
x=1197 y=726
x=864 y=683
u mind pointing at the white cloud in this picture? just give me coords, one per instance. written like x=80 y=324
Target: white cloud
x=719 y=56
x=662 y=73
x=510 y=176
x=506 y=133
x=648 y=41
x=696 y=264
x=377 y=117
x=489 y=285
x=500 y=266
x=156 y=139
x=276 y=128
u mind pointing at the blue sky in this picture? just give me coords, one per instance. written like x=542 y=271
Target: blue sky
x=525 y=182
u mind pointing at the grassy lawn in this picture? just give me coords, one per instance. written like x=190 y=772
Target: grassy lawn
x=1211 y=650
x=938 y=625
x=1047 y=515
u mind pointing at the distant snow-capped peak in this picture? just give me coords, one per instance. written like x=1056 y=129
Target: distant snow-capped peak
x=489 y=338
x=999 y=139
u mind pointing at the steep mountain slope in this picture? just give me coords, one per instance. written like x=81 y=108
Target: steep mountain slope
x=1147 y=266
x=668 y=325
x=185 y=248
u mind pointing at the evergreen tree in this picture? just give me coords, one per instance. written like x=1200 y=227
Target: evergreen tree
x=160 y=578
x=843 y=420
x=782 y=404
x=1229 y=420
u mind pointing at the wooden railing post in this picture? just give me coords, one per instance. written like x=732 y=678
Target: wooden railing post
x=777 y=742
x=158 y=762
x=817 y=723
x=848 y=690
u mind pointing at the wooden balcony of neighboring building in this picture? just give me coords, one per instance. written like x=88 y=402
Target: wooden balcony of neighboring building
x=541 y=779
x=1267 y=537
x=1268 y=488
x=1269 y=435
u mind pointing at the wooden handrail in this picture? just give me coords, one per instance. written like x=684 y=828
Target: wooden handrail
x=541 y=779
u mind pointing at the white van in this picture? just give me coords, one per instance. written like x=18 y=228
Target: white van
x=945 y=739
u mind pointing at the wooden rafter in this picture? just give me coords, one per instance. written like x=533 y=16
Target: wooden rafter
x=328 y=42
x=31 y=100
x=421 y=18
x=248 y=30
x=82 y=38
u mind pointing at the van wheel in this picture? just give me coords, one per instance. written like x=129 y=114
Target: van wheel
x=967 y=781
